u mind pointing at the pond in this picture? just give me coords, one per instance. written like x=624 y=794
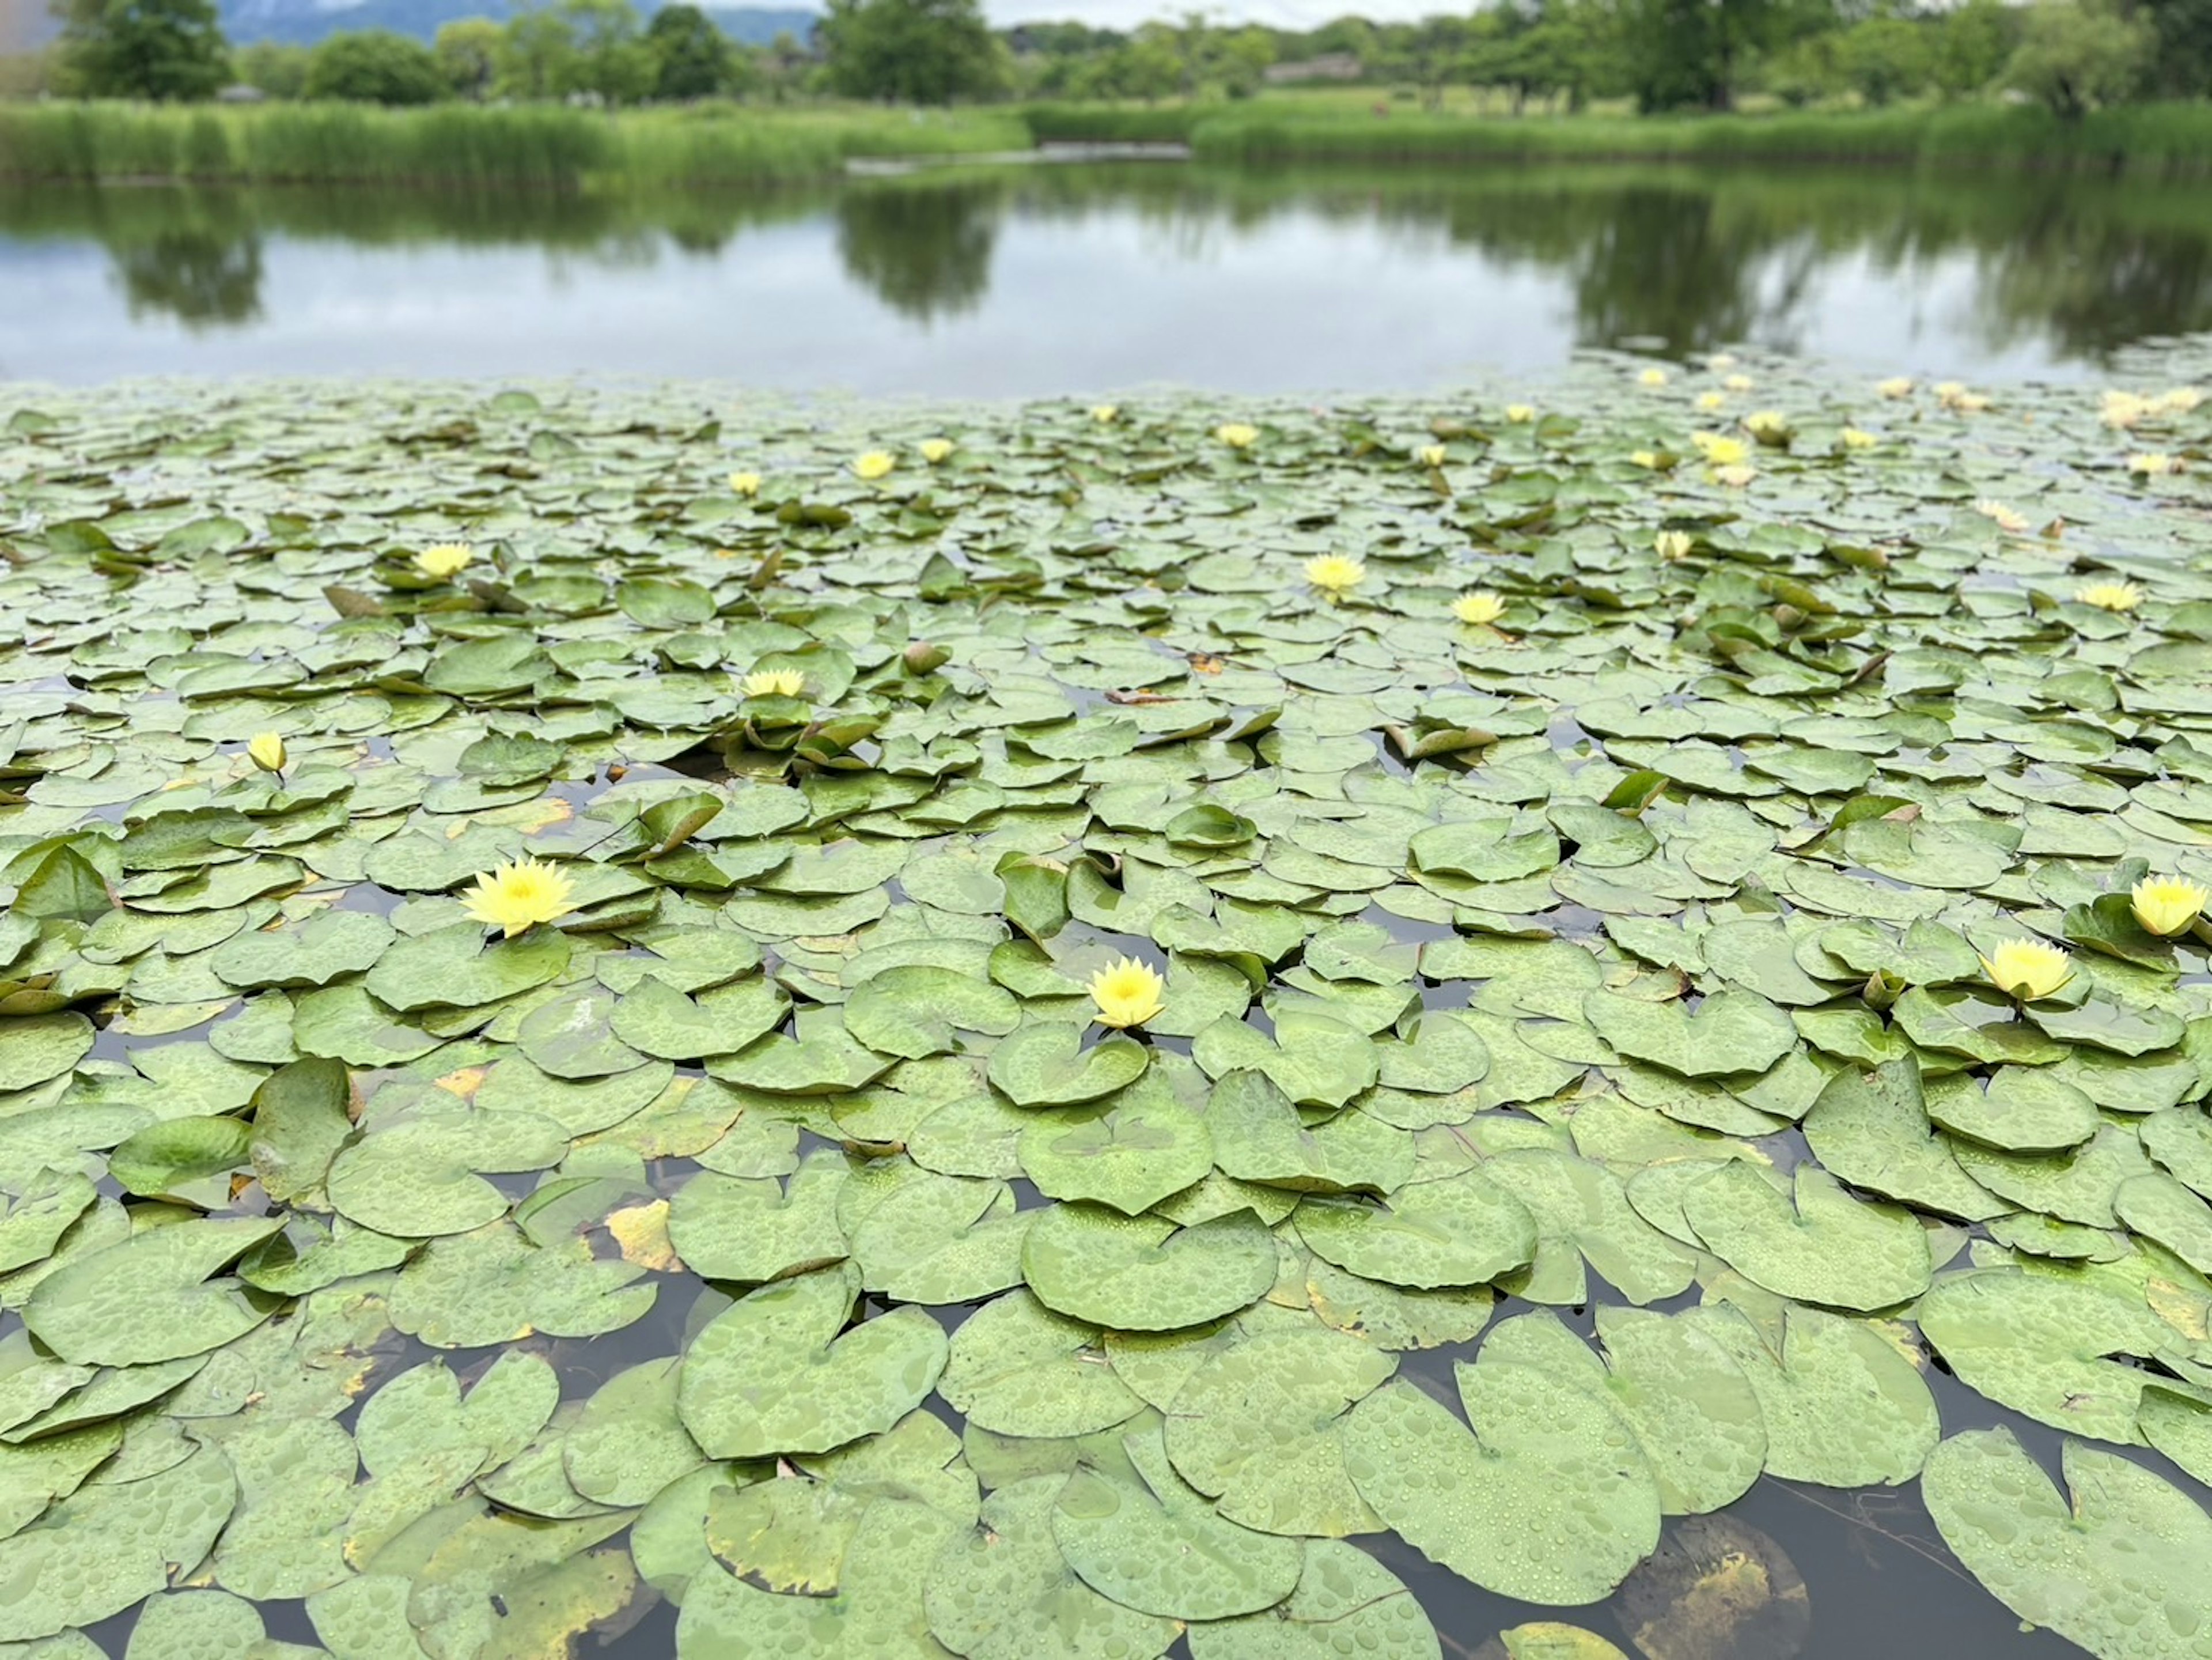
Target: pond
x=1589 y=1165
x=1044 y=280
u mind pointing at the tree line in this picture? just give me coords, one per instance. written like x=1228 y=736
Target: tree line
x=2073 y=55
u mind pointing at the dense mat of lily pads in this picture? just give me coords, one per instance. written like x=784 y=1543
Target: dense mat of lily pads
x=898 y=1027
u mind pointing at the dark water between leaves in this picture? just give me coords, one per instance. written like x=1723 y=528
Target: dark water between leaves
x=1068 y=279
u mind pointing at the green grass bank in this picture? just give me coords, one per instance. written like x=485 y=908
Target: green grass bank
x=549 y=147
x=461 y=145
x=2156 y=138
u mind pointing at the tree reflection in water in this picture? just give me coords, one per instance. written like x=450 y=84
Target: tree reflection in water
x=923 y=245
x=197 y=276
x=1697 y=257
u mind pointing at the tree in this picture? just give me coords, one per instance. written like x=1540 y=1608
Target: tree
x=2074 y=56
x=467 y=50
x=158 y=49
x=612 y=57
x=1973 y=41
x=375 y=66
x=911 y=51
x=2182 y=67
x=1884 y=58
x=278 y=68
x=692 y=58
x=1691 y=52
x=537 y=56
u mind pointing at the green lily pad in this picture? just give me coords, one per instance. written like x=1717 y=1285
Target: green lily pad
x=1017 y=1368
x=109 y=1544
x=1841 y=1404
x=1548 y=1500
x=1731 y=1031
x=1142 y=1273
x=1465 y=1231
x=1152 y=1542
x=1345 y=1602
x=1260 y=1427
x=151 y=1297
x=1692 y=1411
x=1818 y=1244
x=417 y=1176
x=1127 y=1157
x=777 y=1373
x=497 y=1285
x=1046 y=1065
x=1873 y=1130
x=2042 y=1345
x=42 y=1046
x=314 y=952
x=1004 y=1592
x=2117 y=1569
x=1258 y=1135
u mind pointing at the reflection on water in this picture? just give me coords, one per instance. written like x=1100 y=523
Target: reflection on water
x=1064 y=279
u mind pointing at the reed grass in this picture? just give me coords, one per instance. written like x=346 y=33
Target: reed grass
x=2150 y=138
x=550 y=147
x=530 y=146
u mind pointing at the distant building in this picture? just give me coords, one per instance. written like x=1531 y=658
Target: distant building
x=1329 y=66
x=241 y=94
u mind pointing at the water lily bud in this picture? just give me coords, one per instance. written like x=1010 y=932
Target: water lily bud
x=266 y=750
x=922 y=658
x=1882 y=988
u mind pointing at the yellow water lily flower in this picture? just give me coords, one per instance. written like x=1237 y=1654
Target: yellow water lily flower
x=1648 y=459
x=2179 y=400
x=2122 y=409
x=1127 y=993
x=1334 y=574
x=1949 y=390
x=1739 y=383
x=1736 y=476
x=1720 y=359
x=1971 y=403
x=1712 y=400
x=934 y=450
x=1719 y=449
x=1766 y=424
x=445 y=560
x=1430 y=455
x=1520 y=414
x=2001 y=515
x=2152 y=463
x=774 y=682
x=266 y=750
x=875 y=464
x=1654 y=376
x=1672 y=544
x=1237 y=434
x=1103 y=413
x=2028 y=969
x=745 y=484
x=2109 y=596
x=1857 y=438
x=1478 y=606
x=2166 y=905
x=1898 y=386
x=516 y=897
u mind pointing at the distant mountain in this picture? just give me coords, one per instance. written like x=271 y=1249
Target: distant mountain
x=303 y=23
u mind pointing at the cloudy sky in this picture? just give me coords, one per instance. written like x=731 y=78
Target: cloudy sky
x=1284 y=14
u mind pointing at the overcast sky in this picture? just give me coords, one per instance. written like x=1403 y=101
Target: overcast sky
x=1284 y=14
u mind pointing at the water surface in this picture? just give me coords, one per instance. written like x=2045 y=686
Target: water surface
x=1037 y=281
